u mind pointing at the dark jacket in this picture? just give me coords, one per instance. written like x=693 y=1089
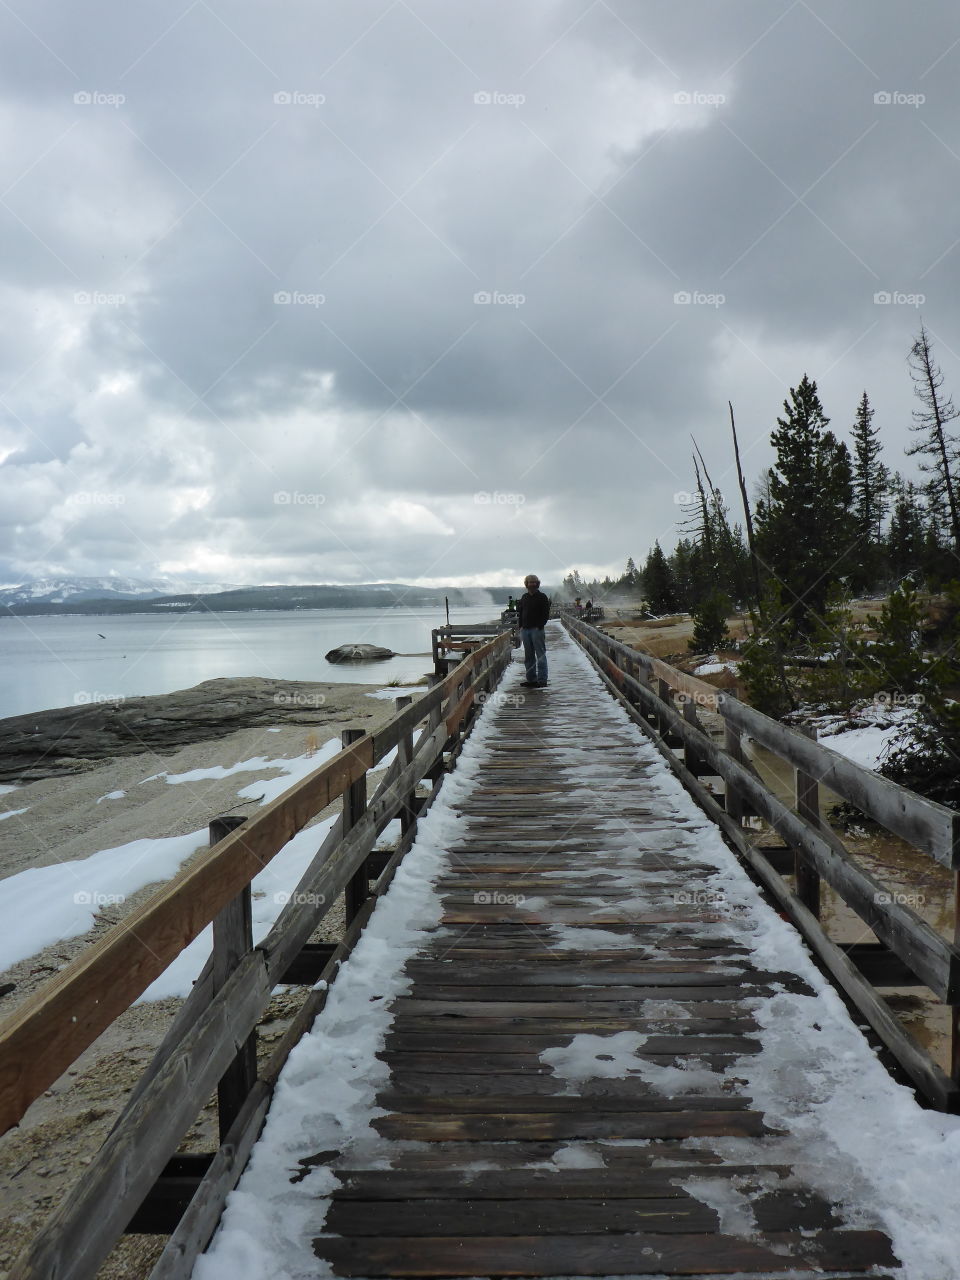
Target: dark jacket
x=533 y=609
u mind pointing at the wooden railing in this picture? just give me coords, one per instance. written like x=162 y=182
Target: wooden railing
x=451 y=642
x=135 y=1181
x=664 y=702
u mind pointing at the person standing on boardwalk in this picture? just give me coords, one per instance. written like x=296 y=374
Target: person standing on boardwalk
x=533 y=610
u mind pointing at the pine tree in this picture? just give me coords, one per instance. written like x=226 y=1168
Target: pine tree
x=804 y=526
x=658 y=585
x=871 y=482
x=905 y=541
x=936 y=445
x=710 y=629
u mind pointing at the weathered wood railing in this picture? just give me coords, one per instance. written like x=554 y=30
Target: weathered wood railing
x=664 y=702
x=451 y=642
x=135 y=1181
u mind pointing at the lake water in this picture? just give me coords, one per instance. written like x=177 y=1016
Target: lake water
x=63 y=661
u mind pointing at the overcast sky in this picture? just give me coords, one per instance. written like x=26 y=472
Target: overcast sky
x=394 y=289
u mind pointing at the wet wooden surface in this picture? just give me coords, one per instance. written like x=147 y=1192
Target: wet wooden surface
x=498 y=1164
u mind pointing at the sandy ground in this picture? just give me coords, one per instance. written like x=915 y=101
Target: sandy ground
x=46 y=1154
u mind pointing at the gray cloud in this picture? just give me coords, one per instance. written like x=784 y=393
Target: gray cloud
x=221 y=287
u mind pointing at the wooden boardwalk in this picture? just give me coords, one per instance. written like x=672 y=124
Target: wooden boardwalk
x=503 y=1160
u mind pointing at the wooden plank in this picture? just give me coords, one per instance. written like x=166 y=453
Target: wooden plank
x=604 y=1254
x=554 y=1002
x=689 y=990
x=641 y=1099
x=529 y=1042
x=540 y=1184
x=618 y=974
x=496 y=1063
x=523 y=1217
x=737 y=1021
x=543 y=1126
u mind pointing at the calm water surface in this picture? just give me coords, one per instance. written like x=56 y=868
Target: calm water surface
x=68 y=661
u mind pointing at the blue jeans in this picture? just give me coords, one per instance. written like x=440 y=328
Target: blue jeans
x=535 y=653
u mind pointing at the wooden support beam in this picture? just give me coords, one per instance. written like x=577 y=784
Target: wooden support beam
x=354 y=807
x=807 y=791
x=232 y=940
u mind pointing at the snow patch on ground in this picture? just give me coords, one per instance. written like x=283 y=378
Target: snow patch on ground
x=42 y=905
x=590 y=1057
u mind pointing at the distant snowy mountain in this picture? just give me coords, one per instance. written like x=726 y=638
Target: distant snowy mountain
x=61 y=590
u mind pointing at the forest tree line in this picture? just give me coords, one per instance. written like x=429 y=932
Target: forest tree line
x=828 y=522
x=828 y=516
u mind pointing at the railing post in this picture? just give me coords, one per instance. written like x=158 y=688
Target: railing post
x=408 y=816
x=733 y=800
x=354 y=807
x=808 y=808
x=232 y=939
x=667 y=733
x=692 y=758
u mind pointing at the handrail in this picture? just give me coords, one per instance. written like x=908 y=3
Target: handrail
x=929 y=826
x=648 y=687
x=41 y=1038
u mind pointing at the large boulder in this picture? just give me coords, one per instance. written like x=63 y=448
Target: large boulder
x=359 y=653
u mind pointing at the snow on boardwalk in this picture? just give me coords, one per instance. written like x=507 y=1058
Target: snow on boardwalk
x=573 y=1040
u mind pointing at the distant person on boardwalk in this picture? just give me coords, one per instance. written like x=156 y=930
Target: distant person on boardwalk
x=533 y=610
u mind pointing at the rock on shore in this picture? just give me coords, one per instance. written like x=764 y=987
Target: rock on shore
x=69 y=739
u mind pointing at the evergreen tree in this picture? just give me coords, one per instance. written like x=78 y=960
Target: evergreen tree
x=682 y=569
x=936 y=446
x=710 y=629
x=762 y=666
x=905 y=541
x=658 y=584
x=870 y=486
x=804 y=526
